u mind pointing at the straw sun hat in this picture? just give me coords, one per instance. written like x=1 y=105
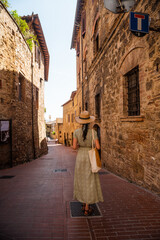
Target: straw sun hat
x=84 y=118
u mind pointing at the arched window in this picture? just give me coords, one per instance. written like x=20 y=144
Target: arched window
x=95 y=34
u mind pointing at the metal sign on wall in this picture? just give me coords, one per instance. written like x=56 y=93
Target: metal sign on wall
x=139 y=23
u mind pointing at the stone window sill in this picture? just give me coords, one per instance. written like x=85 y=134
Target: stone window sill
x=132 y=119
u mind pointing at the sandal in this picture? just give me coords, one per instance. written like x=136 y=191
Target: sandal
x=88 y=212
x=83 y=207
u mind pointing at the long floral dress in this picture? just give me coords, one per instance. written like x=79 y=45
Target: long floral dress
x=87 y=188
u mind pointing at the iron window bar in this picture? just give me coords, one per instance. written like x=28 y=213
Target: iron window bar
x=133 y=92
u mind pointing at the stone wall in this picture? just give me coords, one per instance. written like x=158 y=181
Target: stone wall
x=130 y=144
x=16 y=67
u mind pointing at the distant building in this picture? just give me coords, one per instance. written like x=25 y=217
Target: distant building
x=70 y=111
x=118 y=81
x=59 y=130
x=50 y=129
x=22 y=77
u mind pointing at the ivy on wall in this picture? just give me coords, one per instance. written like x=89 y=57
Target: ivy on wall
x=28 y=35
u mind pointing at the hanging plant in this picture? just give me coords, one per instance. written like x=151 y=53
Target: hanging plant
x=5 y=3
x=29 y=36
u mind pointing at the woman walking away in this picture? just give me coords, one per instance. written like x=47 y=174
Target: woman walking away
x=87 y=188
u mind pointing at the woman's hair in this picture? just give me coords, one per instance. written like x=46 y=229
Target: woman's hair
x=85 y=130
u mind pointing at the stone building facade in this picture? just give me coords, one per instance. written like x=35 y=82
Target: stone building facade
x=70 y=111
x=22 y=77
x=59 y=130
x=118 y=77
x=50 y=129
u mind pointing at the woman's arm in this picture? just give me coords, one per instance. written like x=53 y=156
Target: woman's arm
x=75 y=143
x=97 y=144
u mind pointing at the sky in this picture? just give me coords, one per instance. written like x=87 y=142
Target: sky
x=57 y=20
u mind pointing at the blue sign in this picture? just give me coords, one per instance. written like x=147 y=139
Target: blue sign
x=139 y=22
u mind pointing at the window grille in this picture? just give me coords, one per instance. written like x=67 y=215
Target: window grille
x=133 y=92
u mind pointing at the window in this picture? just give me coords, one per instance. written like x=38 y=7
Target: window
x=133 y=92
x=79 y=77
x=79 y=110
x=39 y=58
x=78 y=49
x=97 y=43
x=72 y=117
x=36 y=51
x=68 y=117
x=21 y=88
x=4 y=131
x=41 y=82
x=86 y=106
x=85 y=66
x=96 y=37
x=37 y=98
x=83 y=23
x=37 y=54
x=0 y=84
x=97 y=105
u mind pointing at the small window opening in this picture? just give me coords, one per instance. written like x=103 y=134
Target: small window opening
x=86 y=106
x=97 y=105
x=0 y=84
x=21 y=88
x=37 y=98
x=133 y=92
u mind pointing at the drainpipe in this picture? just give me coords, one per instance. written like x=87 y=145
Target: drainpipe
x=32 y=89
x=82 y=71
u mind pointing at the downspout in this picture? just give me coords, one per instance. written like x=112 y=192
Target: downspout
x=82 y=70
x=32 y=89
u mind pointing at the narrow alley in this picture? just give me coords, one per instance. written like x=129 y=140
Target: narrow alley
x=35 y=203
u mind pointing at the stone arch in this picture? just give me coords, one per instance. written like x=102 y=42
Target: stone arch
x=135 y=56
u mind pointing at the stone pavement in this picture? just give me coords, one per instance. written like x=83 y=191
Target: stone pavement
x=34 y=204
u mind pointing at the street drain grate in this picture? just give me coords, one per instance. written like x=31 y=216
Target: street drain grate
x=103 y=173
x=6 y=177
x=76 y=212
x=60 y=170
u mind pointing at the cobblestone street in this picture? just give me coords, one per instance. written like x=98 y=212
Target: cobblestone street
x=34 y=204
